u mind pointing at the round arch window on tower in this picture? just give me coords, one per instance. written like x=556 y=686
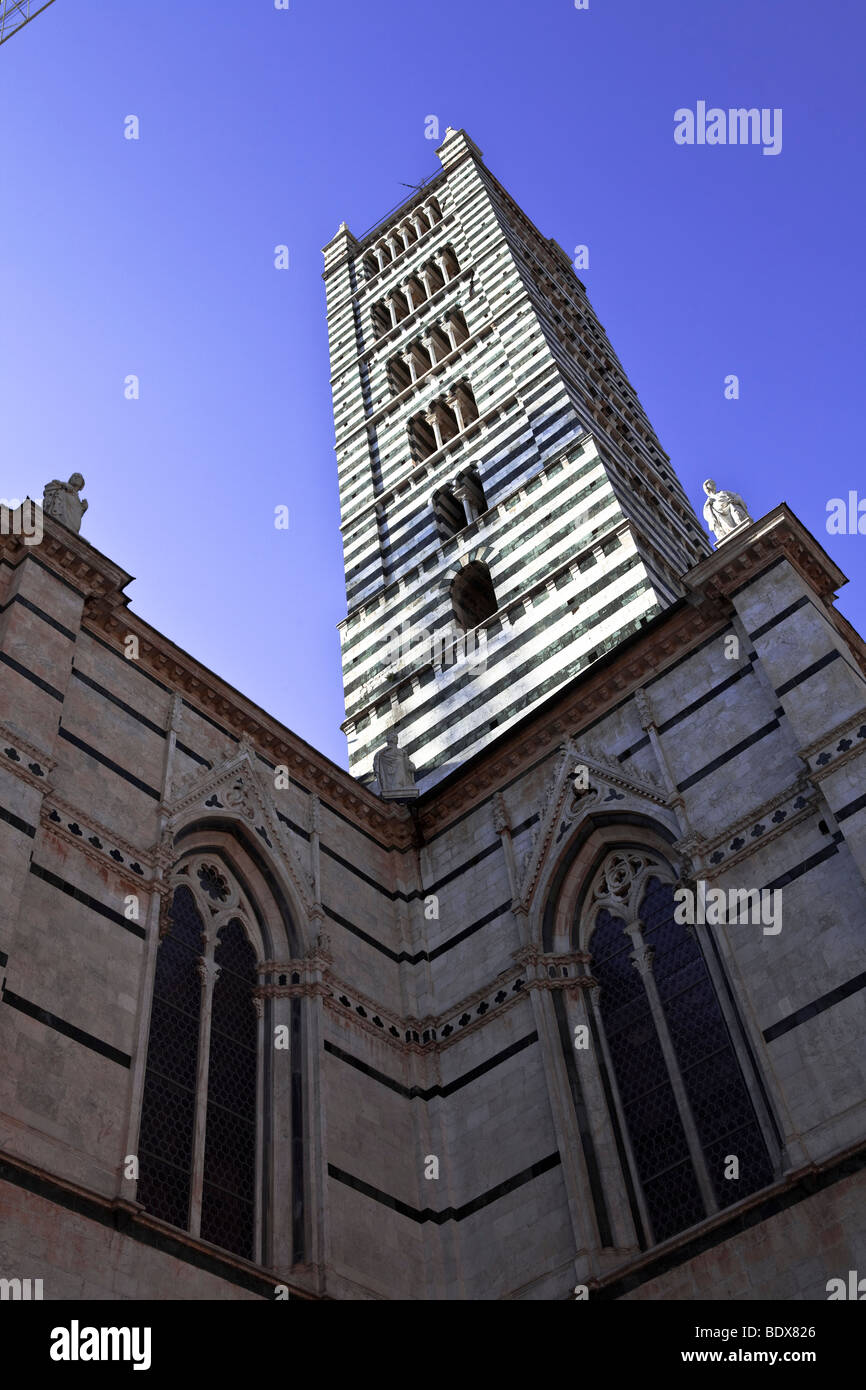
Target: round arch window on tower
x=473 y=597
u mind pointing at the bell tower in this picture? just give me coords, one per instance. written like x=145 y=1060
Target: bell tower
x=508 y=514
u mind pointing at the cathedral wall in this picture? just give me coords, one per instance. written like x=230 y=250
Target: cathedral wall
x=372 y=1147
x=19 y=816
x=68 y=1030
x=790 y=1256
x=522 y=1246
x=116 y=746
x=727 y=742
x=503 y=1166
x=36 y=651
x=472 y=939
x=92 y=1260
x=355 y=903
x=436 y=1038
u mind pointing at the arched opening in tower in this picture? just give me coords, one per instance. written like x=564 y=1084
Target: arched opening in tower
x=473 y=597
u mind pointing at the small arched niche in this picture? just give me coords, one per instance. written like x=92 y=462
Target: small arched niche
x=473 y=598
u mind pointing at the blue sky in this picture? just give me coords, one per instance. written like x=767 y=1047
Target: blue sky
x=260 y=127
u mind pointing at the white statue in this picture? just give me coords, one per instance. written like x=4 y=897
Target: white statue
x=394 y=771
x=62 y=503
x=723 y=511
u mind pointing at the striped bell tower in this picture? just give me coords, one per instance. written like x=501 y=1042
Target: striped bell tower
x=508 y=514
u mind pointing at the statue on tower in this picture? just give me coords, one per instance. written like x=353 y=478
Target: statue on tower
x=723 y=511
x=394 y=771
x=62 y=503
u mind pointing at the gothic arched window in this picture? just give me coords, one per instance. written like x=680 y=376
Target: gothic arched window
x=197 y=1141
x=165 y=1150
x=681 y=1093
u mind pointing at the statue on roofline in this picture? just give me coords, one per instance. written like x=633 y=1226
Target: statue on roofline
x=62 y=503
x=723 y=511
x=393 y=770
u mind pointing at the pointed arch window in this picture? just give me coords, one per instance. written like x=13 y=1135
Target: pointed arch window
x=198 y=1137
x=680 y=1091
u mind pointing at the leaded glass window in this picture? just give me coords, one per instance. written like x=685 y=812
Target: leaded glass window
x=228 y=1196
x=720 y=1102
x=199 y=1102
x=683 y=1097
x=650 y=1110
x=165 y=1148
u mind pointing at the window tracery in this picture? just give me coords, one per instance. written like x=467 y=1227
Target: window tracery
x=681 y=1094
x=198 y=1134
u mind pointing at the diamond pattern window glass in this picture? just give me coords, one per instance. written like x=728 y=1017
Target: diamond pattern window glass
x=719 y=1115
x=168 y=1107
x=650 y=1110
x=228 y=1195
x=724 y=1115
x=202 y=1119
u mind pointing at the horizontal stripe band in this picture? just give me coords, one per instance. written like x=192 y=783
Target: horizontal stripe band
x=439 y=1218
x=68 y=1030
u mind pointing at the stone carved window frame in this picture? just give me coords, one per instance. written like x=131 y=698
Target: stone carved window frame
x=563 y=921
x=621 y=897
x=618 y=887
x=214 y=915
x=272 y=921
x=647 y=864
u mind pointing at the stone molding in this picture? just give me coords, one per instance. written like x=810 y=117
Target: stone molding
x=101 y=846
x=306 y=989
x=433 y=1033
x=833 y=750
x=809 y=750
x=310 y=969
x=235 y=789
x=787 y=809
x=25 y=760
x=744 y=556
x=565 y=808
x=547 y=970
x=74 y=559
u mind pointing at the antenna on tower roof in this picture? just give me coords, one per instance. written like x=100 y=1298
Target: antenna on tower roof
x=14 y=14
x=415 y=187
